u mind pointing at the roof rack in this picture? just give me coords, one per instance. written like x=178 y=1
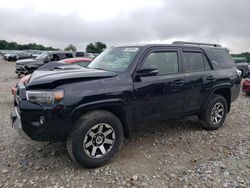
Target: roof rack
x=195 y=43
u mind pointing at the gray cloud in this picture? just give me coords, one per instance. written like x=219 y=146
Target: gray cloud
x=224 y=21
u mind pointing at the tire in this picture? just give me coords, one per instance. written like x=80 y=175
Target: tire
x=88 y=142
x=216 y=109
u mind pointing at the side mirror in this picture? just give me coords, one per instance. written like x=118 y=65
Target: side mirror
x=147 y=70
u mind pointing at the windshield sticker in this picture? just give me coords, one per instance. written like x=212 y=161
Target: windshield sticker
x=130 y=49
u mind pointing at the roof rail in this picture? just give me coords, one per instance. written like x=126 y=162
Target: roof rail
x=195 y=43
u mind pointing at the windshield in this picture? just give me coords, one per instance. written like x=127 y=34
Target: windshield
x=42 y=56
x=116 y=59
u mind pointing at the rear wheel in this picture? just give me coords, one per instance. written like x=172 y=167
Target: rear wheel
x=214 y=115
x=96 y=137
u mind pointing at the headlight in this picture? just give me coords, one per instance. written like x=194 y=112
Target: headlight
x=45 y=97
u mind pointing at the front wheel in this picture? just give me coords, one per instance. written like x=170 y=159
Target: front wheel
x=96 y=137
x=215 y=113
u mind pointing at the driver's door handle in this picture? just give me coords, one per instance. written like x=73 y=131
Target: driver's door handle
x=211 y=78
x=178 y=82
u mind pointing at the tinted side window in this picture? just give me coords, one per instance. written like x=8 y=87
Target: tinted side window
x=166 y=62
x=195 y=61
x=69 y=55
x=223 y=58
x=55 y=57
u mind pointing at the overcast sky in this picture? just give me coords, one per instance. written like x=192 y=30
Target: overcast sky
x=120 y=22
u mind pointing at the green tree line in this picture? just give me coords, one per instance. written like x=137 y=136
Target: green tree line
x=4 y=45
x=244 y=54
x=97 y=47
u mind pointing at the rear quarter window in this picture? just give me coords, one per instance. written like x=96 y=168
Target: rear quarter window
x=195 y=61
x=223 y=58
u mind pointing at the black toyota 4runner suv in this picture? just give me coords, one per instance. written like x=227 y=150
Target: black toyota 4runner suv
x=93 y=108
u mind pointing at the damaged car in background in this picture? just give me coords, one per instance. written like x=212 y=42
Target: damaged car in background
x=242 y=63
x=27 y=66
x=65 y=63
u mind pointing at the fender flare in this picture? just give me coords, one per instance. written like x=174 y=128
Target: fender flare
x=214 y=88
x=101 y=104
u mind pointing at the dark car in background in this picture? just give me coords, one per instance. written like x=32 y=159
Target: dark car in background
x=27 y=66
x=24 y=55
x=242 y=64
x=14 y=55
x=10 y=56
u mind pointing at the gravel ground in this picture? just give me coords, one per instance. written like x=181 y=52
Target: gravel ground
x=174 y=153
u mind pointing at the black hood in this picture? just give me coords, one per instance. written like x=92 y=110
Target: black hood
x=66 y=73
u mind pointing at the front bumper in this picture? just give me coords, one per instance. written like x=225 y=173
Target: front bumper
x=20 y=69
x=38 y=122
x=17 y=124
